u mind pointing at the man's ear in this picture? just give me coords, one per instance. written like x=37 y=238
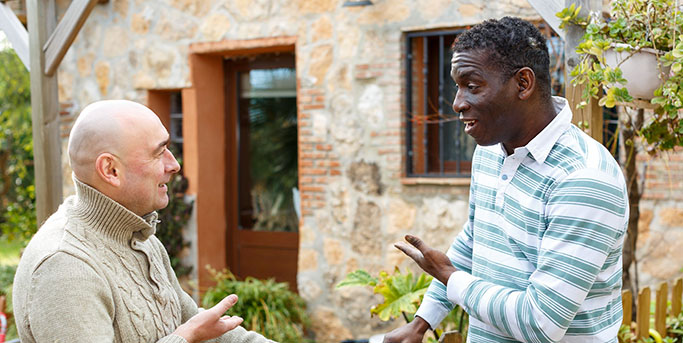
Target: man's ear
x=526 y=81
x=108 y=169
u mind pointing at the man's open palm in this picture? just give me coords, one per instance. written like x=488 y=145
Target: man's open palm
x=210 y=323
x=432 y=261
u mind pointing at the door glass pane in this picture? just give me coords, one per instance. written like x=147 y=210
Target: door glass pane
x=268 y=134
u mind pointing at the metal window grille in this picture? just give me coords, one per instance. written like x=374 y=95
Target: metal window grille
x=176 y=123
x=435 y=141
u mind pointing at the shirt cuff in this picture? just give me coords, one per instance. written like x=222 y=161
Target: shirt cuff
x=432 y=312
x=456 y=286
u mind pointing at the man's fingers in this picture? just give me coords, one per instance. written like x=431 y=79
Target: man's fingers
x=408 y=250
x=416 y=242
x=225 y=304
x=231 y=322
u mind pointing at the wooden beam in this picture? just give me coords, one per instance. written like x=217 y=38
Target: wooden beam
x=56 y=46
x=16 y=34
x=547 y=10
x=44 y=112
x=592 y=113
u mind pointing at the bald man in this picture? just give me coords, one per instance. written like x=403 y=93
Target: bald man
x=95 y=272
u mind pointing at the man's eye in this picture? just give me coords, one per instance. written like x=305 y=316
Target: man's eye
x=472 y=86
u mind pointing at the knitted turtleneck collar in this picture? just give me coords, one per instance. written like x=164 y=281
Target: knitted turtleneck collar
x=102 y=214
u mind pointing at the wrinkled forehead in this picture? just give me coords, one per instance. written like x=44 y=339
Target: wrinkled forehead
x=475 y=56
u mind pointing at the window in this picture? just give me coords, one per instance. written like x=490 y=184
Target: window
x=436 y=145
x=176 y=124
x=267 y=142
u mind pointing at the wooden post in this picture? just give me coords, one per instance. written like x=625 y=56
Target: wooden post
x=626 y=301
x=592 y=113
x=47 y=47
x=44 y=112
x=660 y=308
x=643 y=313
x=676 y=294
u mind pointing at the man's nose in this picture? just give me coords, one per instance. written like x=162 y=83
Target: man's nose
x=459 y=103
x=172 y=166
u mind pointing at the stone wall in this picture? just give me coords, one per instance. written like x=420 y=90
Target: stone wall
x=660 y=228
x=349 y=61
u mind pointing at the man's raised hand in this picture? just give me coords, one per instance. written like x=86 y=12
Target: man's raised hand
x=433 y=262
x=210 y=323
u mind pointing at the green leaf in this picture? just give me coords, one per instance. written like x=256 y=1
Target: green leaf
x=358 y=278
x=401 y=292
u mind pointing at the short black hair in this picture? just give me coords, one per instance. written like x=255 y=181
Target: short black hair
x=512 y=43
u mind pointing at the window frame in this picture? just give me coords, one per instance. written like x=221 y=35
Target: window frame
x=423 y=171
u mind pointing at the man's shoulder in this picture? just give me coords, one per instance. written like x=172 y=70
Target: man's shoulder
x=576 y=150
x=49 y=240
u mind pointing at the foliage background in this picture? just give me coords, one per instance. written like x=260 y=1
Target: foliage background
x=17 y=190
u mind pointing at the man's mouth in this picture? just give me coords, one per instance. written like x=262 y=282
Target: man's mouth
x=469 y=123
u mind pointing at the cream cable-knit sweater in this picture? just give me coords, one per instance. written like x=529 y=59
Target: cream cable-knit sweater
x=95 y=272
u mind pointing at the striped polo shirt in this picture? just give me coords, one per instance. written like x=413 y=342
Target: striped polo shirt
x=539 y=259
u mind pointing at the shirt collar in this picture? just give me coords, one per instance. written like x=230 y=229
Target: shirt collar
x=540 y=146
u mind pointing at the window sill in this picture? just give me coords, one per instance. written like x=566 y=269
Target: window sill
x=445 y=181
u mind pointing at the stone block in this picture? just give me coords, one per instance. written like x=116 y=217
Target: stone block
x=366 y=236
x=215 y=27
x=308 y=260
x=371 y=105
x=469 y=10
x=102 y=75
x=115 y=42
x=321 y=29
x=315 y=6
x=320 y=60
x=401 y=216
x=84 y=64
x=139 y=23
x=333 y=251
x=198 y=8
x=671 y=217
x=365 y=177
x=327 y=326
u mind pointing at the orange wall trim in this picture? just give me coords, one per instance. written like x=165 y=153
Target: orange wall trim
x=205 y=159
x=228 y=48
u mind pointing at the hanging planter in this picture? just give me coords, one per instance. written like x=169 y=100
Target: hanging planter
x=635 y=58
x=639 y=68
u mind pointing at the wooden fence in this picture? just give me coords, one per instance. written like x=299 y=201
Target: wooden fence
x=661 y=312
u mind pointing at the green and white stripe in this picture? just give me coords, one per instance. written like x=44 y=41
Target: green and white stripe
x=539 y=259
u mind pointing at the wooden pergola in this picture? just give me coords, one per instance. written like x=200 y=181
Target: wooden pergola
x=46 y=43
x=42 y=50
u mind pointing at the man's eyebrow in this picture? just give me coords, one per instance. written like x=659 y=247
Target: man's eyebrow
x=163 y=144
x=467 y=74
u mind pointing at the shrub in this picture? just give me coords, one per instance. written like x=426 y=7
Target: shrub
x=268 y=307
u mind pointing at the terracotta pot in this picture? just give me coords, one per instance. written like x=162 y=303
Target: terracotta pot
x=639 y=69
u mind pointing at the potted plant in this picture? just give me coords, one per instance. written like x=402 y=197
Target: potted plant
x=635 y=32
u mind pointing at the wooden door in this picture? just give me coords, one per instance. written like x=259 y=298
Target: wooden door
x=263 y=239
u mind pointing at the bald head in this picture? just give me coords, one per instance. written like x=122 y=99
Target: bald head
x=106 y=127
